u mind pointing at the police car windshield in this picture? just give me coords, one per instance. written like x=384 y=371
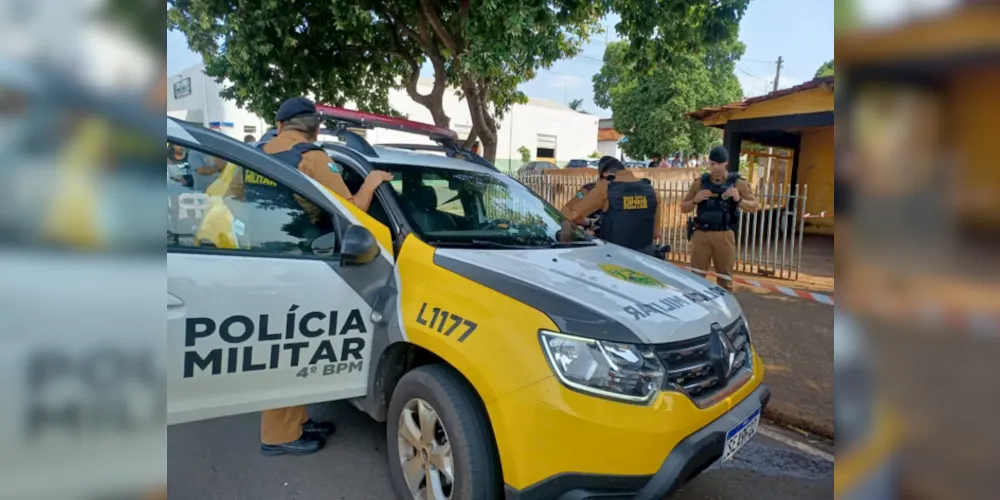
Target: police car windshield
x=463 y=208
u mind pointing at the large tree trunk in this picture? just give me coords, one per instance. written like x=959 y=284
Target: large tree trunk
x=433 y=101
x=477 y=98
x=490 y=145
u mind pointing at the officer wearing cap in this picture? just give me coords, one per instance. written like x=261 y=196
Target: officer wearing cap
x=718 y=196
x=629 y=207
x=289 y=430
x=298 y=130
x=590 y=221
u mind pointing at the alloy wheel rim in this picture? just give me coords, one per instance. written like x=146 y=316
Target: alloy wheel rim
x=425 y=452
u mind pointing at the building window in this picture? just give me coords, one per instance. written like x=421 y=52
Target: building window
x=545 y=147
x=249 y=129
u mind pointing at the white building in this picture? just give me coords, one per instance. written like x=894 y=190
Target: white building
x=609 y=140
x=547 y=129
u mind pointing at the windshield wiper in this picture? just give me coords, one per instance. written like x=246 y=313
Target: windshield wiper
x=477 y=244
x=571 y=244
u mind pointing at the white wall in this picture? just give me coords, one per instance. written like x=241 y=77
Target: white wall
x=205 y=95
x=609 y=148
x=576 y=133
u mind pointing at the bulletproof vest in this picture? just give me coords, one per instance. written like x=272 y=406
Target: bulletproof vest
x=716 y=213
x=265 y=191
x=631 y=215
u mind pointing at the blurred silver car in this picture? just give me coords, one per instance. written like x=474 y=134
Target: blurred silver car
x=537 y=167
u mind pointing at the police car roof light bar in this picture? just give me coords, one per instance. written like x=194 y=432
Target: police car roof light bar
x=351 y=140
x=371 y=120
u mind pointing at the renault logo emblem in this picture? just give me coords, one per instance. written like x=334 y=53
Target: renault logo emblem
x=722 y=353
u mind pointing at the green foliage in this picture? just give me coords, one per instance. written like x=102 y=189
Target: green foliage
x=649 y=105
x=660 y=30
x=575 y=104
x=357 y=50
x=825 y=70
x=525 y=154
x=595 y=154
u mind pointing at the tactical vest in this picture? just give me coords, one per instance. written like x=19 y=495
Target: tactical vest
x=631 y=215
x=265 y=191
x=716 y=213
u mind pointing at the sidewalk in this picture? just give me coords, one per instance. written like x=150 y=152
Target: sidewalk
x=794 y=337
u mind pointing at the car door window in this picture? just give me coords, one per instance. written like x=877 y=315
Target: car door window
x=243 y=210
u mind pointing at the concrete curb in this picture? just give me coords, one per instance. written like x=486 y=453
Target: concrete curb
x=784 y=419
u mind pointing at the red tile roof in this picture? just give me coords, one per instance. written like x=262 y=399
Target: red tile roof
x=703 y=113
x=608 y=134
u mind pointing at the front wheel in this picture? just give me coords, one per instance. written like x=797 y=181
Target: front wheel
x=440 y=442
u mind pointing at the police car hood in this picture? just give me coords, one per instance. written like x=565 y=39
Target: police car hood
x=603 y=291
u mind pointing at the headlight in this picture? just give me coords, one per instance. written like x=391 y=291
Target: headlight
x=624 y=372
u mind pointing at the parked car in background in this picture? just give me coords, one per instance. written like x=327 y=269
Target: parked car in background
x=635 y=164
x=537 y=167
x=581 y=164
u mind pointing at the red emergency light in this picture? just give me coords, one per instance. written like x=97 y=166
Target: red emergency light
x=371 y=120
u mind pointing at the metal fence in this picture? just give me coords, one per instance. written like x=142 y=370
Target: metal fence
x=768 y=242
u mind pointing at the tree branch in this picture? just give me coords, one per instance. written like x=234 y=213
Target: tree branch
x=451 y=42
x=473 y=137
x=464 y=6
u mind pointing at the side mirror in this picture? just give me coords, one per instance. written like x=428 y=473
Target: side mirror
x=358 y=247
x=324 y=246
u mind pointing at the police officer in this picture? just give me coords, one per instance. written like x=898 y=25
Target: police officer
x=289 y=430
x=589 y=223
x=629 y=207
x=298 y=130
x=717 y=195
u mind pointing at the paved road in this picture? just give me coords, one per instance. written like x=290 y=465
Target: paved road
x=219 y=460
x=794 y=337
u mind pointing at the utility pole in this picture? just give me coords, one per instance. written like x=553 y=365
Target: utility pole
x=777 y=73
x=770 y=151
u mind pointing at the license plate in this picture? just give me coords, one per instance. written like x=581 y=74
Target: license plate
x=739 y=435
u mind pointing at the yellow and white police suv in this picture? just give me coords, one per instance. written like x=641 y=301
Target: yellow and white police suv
x=511 y=355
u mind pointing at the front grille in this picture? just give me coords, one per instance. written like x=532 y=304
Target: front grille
x=695 y=366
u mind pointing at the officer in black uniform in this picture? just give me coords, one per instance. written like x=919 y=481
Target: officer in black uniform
x=629 y=208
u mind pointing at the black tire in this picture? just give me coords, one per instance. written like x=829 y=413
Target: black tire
x=461 y=412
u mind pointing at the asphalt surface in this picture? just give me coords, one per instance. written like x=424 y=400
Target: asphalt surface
x=794 y=337
x=220 y=460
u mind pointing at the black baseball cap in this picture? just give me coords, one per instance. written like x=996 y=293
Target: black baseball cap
x=296 y=106
x=719 y=155
x=609 y=163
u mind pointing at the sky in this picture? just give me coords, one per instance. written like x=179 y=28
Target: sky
x=798 y=31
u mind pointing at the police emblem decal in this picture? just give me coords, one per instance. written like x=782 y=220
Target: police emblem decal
x=631 y=276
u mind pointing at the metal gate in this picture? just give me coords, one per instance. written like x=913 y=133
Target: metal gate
x=768 y=242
